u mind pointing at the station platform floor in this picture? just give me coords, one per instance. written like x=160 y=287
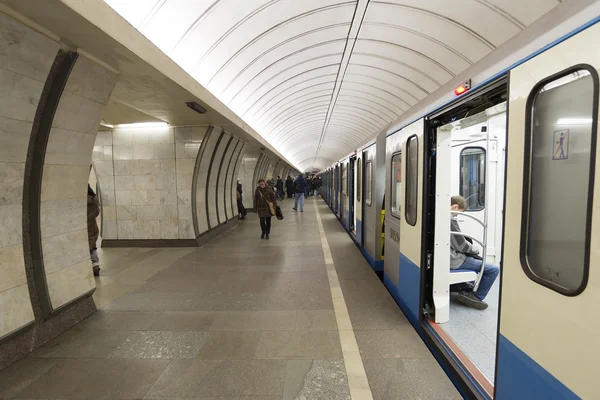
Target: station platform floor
x=299 y=316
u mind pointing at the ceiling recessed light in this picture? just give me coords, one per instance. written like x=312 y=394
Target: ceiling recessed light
x=196 y=107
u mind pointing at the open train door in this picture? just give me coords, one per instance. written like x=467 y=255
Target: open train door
x=548 y=344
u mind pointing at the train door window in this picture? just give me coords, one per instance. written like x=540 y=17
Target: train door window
x=358 y=179
x=344 y=179
x=560 y=145
x=412 y=186
x=396 y=184
x=472 y=177
x=368 y=182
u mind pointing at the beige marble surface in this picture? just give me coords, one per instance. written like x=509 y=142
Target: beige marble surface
x=69 y=283
x=26 y=57
x=16 y=309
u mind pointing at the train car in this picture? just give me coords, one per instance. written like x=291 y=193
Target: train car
x=519 y=145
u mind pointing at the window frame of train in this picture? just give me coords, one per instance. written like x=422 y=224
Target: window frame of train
x=344 y=179
x=393 y=182
x=528 y=179
x=411 y=190
x=480 y=191
x=368 y=183
x=358 y=178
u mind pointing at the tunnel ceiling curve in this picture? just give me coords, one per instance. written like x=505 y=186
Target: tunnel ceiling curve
x=316 y=78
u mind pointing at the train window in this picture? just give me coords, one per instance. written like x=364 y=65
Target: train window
x=396 y=184
x=368 y=182
x=358 y=179
x=472 y=177
x=560 y=144
x=344 y=179
x=412 y=186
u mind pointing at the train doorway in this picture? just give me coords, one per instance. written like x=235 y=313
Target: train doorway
x=351 y=196
x=466 y=192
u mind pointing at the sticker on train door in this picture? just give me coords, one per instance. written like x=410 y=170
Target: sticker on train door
x=560 y=145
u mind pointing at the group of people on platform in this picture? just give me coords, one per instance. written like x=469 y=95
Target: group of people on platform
x=268 y=192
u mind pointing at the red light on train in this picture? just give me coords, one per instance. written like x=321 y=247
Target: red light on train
x=463 y=88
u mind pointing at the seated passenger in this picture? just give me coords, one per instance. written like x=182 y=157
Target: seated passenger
x=462 y=256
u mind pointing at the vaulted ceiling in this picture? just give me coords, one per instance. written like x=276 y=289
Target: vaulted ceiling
x=318 y=77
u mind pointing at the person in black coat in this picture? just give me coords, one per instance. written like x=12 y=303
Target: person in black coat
x=289 y=187
x=279 y=187
x=240 y=204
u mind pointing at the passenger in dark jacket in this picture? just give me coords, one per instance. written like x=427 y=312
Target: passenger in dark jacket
x=262 y=197
x=93 y=210
x=289 y=186
x=300 y=188
x=240 y=203
x=279 y=187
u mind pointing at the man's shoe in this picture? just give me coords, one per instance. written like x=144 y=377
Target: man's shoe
x=262 y=236
x=96 y=270
x=267 y=237
x=471 y=300
x=295 y=209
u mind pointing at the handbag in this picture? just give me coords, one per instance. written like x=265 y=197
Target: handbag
x=271 y=207
x=278 y=213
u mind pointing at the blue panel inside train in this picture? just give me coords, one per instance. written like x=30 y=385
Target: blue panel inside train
x=520 y=377
x=407 y=292
x=359 y=232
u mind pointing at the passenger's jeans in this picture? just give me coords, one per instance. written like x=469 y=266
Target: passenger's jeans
x=301 y=197
x=490 y=272
x=265 y=225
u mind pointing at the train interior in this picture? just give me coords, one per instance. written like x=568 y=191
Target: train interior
x=473 y=143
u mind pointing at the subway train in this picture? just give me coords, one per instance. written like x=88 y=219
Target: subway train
x=518 y=142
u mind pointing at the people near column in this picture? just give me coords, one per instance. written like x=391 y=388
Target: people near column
x=93 y=210
x=240 y=203
x=279 y=187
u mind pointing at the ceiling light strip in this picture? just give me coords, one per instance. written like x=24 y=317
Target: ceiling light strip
x=359 y=16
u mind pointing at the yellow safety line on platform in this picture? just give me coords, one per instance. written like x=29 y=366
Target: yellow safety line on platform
x=357 y=377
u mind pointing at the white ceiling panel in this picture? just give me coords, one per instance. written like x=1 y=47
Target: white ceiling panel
x=318 y=77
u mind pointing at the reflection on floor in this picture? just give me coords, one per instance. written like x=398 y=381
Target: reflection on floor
x=238 y=317
x=474 y=331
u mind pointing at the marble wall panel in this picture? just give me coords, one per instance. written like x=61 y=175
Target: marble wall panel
x=245 y=174
x=26 y=57
x=63 y=209
x=70 y=283
x=16 y=309
x=213 y=209
x=222 y=179
x=235 y=166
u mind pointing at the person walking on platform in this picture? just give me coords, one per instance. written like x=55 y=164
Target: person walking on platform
x=300 y=188
x=240 y=204
x=264 y=199
x=93 y=210
x=289 y=187
x=279 y=187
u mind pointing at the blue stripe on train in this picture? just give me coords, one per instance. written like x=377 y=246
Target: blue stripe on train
x=407 y=292
x=520 y=377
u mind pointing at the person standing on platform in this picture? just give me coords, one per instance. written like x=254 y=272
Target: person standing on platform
x=289 y=187
x=262 y=197
x=93 y=210
x=240 y=203
x=279 y=187
x=300 y=189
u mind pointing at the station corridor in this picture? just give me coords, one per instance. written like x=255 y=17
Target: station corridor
x=239 y=318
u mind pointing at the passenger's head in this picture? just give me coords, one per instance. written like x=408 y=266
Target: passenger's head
x=278 y=177
x=262 y=183
x=458 y=203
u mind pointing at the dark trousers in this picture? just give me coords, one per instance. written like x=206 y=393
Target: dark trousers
x=265 y=225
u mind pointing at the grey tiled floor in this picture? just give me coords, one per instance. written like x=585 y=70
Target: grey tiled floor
x=240 y=318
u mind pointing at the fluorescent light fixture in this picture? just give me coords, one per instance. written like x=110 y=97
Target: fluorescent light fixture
x=196 y=107
x=574 y=121
x=143 y=125
x=107 y=125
